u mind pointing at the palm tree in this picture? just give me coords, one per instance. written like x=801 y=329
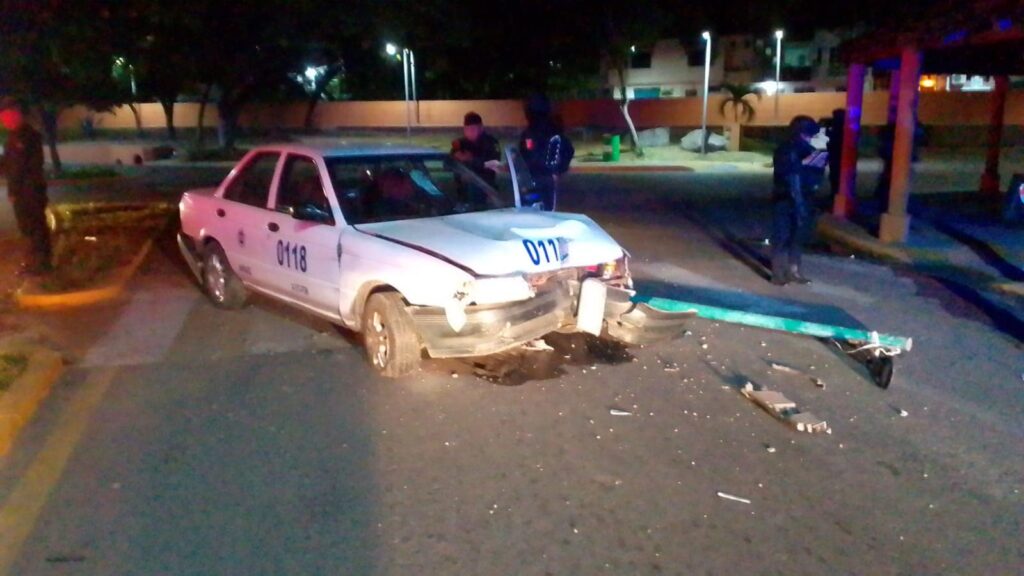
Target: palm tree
x=742 y=110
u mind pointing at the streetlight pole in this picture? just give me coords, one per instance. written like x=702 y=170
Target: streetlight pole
x=405 y=79
x=778 y=69
x=707 y=82
x=412 y=80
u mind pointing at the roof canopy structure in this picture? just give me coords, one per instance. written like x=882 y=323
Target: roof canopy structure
x=977 y=37
x=984 y=37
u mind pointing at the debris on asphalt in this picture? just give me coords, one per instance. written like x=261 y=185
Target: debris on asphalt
x=784 y=409
x=903 y=413
x=784 y=368
x=733 y=498
x=770 y=449
x=669 y=365
x=617 y=412
x=796 y=372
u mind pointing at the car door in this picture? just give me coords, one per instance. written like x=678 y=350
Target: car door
x=522 y=181
x=240 y=222
x=304 y=234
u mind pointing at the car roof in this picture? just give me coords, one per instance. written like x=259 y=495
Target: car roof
x=343 y=150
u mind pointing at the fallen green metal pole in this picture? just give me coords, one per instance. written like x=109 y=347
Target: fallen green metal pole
x=778 y=323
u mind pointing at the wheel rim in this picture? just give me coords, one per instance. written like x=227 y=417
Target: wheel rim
x=216 y=278
x=379 y=345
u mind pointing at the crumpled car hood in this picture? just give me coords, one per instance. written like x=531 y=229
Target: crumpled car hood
x=499 y=242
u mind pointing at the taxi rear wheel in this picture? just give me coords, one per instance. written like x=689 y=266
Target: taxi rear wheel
x=389 y=336
x=222 y=285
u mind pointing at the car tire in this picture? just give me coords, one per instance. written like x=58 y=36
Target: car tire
x=221 y=284
x=389 y=336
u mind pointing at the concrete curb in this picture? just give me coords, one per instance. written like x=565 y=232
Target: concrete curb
x=109 y=291
x=20 y=402
x=855 y=238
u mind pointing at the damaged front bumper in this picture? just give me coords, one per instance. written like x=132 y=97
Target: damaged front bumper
x=637 y=323
x=496 y=328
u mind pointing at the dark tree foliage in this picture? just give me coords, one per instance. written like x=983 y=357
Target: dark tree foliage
x=230 y=53
x=55 y=54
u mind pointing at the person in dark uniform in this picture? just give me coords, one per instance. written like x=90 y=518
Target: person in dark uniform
x=546 y=150
x=26 y=185
x=798 y=172
x=477 y=149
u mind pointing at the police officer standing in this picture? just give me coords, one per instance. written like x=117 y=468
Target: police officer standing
x=546 y=150
x=477 y=149
x=798 y=171
x=26 y=185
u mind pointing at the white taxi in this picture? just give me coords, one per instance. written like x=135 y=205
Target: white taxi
x=411 y=249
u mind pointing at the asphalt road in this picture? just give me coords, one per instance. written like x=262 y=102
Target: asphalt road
x=188 y=440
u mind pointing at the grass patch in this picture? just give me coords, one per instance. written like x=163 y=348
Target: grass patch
x=92 y=241
x=11 y=367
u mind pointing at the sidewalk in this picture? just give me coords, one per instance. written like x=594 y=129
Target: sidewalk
x=978 y=257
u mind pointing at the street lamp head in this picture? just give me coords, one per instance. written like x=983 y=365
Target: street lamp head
x=778 y=34
x=706 y=35
x=391 y=49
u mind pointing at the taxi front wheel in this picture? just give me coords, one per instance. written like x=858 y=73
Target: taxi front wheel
x=389 y=336
x=222 y=285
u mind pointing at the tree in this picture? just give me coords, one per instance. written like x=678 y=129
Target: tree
x=742 y=110
x=627 y=27
x=55 y=54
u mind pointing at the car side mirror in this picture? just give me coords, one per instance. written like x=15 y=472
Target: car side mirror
x=311 y=213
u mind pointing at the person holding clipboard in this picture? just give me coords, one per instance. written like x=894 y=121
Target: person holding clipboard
x=799 y=169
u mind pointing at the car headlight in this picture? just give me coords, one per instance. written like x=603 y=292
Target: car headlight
x=496 y=290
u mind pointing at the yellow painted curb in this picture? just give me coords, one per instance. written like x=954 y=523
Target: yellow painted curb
x=20 y=402
x=855 y=238
x=85 y=297
x=1013 y=288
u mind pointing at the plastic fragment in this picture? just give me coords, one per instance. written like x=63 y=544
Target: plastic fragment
x=733 y=498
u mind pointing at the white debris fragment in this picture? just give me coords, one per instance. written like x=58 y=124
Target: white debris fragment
x=770 y=449
x=903 y=413
x=538 y=345
x=733 y=498
x=819 y=383
x=763 y=343
x=617 y=412
x=784 y=368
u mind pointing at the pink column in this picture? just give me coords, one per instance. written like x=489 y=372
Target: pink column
x=896 y=223
x=846 y=200
x=990 y=178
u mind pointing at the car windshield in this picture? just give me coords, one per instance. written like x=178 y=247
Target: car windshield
x=396 y=187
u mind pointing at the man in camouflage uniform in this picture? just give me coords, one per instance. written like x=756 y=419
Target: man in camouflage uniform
x=22 y=165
